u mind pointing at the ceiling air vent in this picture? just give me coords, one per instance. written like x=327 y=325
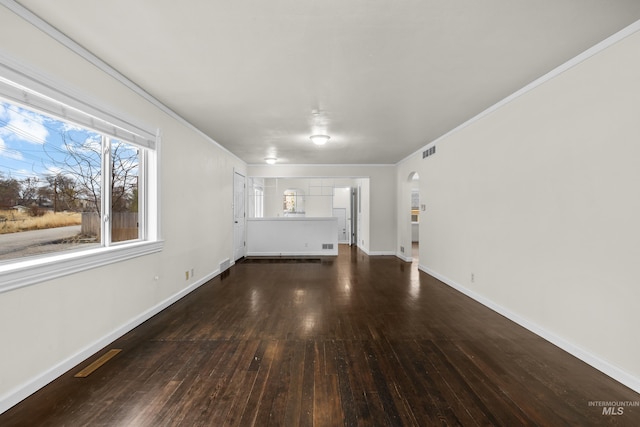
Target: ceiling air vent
x=327 y=246
x=429 y=152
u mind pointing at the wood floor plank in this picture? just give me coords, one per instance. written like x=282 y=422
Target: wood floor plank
x=428 y=402
x=255 y=403
x=231 y=378
x=352 y=340
x=308 y=381
x=468 y=408
x=327 y=409
x=382 y=385
x=294 y=374
x=486 y=389
x=361 y=384
x=347 y=398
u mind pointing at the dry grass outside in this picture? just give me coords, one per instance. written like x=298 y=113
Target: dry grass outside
x=13 y=221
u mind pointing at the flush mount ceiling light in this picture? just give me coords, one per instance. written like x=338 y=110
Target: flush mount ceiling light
x=270 y=160
x=319 y=139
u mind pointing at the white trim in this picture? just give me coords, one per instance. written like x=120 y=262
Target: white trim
x=105 y=184
x=328 y=252
x=25 y=272
x=594 y=50
x=327 y=177
x=23 y=391
x=233 y=214
x=403 y=257
x=382 y=253
x=602 y=365
x=45 y=27
x=354 y=165
x=24 y=85
x=361 y=247
x=154 y=191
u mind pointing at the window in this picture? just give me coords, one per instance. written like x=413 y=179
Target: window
x=258 y=194
x=74 y=185
x=293 y=202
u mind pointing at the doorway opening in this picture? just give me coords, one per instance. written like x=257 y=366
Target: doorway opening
x=415 y=210
x=344 y=198
x=342 y=211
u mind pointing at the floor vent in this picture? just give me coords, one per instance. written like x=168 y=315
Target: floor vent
x=97 y=363
x=224 y=265
x=327 y=246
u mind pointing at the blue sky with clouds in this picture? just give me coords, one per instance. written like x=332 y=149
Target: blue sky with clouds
x=33 y=145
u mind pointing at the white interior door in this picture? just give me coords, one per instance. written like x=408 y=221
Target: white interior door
x=341 y=214
x=238 y=216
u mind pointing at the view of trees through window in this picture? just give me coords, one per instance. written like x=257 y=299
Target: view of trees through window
x=53 y=176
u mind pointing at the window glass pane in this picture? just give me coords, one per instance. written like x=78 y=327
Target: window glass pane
x=49 y=175
x=125 y=171
x=259 y=203
x=82 y=161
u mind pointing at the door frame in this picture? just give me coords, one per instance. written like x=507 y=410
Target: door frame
x=346 y=229
x=355 y=216
x=239 y=245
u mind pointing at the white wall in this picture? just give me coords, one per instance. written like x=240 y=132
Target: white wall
x=342 y=198
x=378 y=225
x=292 y=236
x=52 y=325
x=539 y=202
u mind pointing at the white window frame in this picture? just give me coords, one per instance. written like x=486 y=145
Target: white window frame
x=258 y=202
x=28 y=87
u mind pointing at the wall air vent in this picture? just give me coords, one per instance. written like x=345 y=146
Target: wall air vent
x=327 y=246
x=429 y=152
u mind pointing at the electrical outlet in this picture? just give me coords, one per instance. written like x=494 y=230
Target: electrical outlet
x=192 y=272
x=186 y=275
x=473 y=278
x=402 y=249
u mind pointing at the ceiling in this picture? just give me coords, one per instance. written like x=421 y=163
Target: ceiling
x=383 y=78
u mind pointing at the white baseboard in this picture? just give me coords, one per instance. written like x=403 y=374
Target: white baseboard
x=603 y=366
x=403 y=257
x=381 y=253
x=23 y=391
x=327 y=252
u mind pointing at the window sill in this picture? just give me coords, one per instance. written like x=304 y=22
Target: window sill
x=28 y=272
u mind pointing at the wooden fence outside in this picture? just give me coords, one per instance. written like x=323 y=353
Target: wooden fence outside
x=124 y=225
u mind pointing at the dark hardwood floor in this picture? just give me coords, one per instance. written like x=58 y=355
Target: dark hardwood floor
x=352 y=340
